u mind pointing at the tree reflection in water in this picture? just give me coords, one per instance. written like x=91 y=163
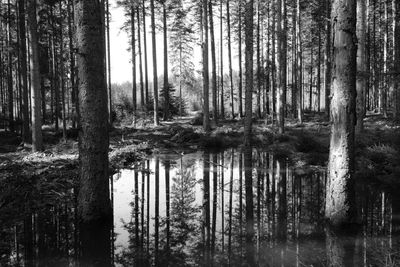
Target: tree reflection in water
x=231 y=208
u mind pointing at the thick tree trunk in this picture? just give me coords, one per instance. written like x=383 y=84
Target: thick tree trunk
x=94 y=209
x=397 y=60
x=340 y=195
x=258 y=61
x=36 y=101
x=24 y=72
x=249 y=27
x=155 y=77
x=206 y=105
x=361 y=63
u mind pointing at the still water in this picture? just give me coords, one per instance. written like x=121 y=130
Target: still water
x=230 y=208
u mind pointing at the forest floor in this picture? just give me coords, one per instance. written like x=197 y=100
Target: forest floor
x=305 y=145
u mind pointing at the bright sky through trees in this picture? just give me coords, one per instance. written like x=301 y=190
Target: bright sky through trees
x=121 y=70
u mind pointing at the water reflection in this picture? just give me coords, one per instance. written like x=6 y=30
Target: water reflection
x=233 y=208
x=251 y=208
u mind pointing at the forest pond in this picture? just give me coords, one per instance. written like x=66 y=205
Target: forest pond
x=230 y=208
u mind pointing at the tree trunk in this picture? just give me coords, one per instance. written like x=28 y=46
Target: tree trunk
x=397 y=60
x=155 y=77
x=294 y=63
x=259 y=115
x=240 y=97
x=327 y=59
x=206 y=106
x=299 y=70
x=319 y=74
x=146 y=72
x=228 y=22
x=37 y=139
x=54 y=79
x=384 y=87
x=361 y=63
x=340 y=207
x=10 y=72
x=64 y=122
x=110 y=113
x=222 y=109
x=213 y=65
x=133 y=47
x=280 y=65
x=74 y=93
x=249 y=71
x=166 y=85
x=24 y=72
x=94 y=209
x=140 y=60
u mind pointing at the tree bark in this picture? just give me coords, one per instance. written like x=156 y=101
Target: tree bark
x=133 y=47
x=222 y=109
x=24 y=71
x=140 y=59
x=240 y=97
x=36 y=101
x=94 y=209
x=249 y=28
x=259 y=115
x=397 y=59
x=228 y=22
x=146 y=72
x=280 y=65
x=206 y=106
x=166 y=85
x=361 y=64
x=110 y=113
x=155 y=77
x=64 y=122
x=213 y=65
x=74 y=93
x=10 y=72
x=327 y=59
x=340 y=195
x=384 y=87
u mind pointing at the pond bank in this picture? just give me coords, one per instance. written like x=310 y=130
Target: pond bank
x=304 y=145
